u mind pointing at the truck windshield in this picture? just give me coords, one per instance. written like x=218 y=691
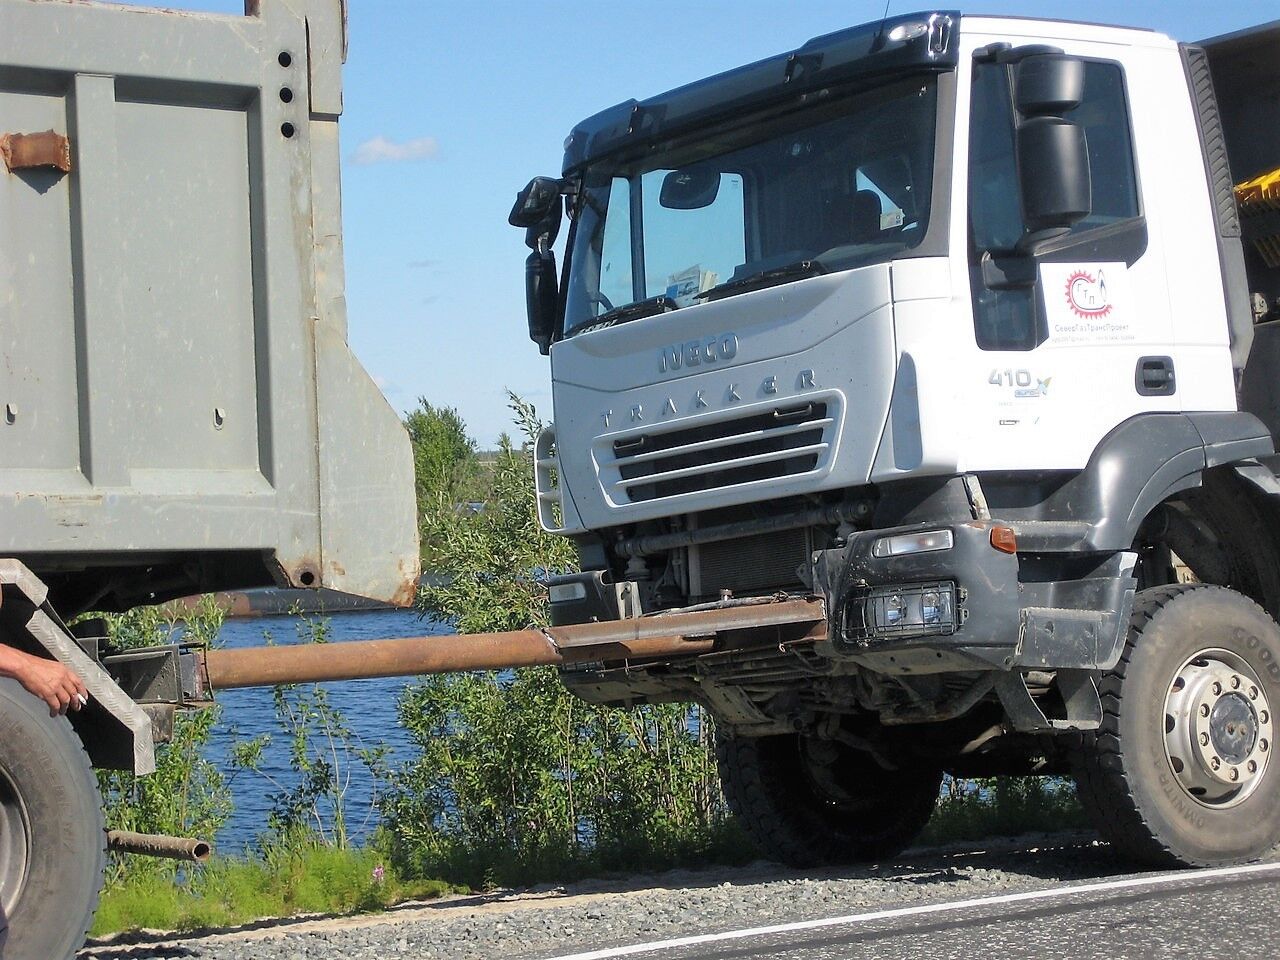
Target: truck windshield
x=760 y=201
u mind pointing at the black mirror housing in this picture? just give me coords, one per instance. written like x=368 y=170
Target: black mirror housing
x=542 y=298
x=1049 y=85
x=691 y=188
x=1053 y=167
x=537 y=202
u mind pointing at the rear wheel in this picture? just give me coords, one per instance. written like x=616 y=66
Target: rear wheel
x=52 y=840
x=1180 y=772
x=806 y=801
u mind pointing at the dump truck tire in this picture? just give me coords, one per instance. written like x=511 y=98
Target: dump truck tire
x=805 y=812
x=52 y=840
x=1180 y=771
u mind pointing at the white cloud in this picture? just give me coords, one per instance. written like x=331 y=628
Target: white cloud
x=382 y=150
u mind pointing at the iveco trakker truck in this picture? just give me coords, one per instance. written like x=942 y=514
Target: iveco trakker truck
x=970 y=327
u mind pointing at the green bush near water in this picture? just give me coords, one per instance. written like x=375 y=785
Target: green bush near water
x=515 y=780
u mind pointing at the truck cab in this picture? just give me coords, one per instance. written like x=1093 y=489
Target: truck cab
x=957 y=323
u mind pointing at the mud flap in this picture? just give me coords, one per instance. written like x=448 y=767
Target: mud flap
x=116 y=732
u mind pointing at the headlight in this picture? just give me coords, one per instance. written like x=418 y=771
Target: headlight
x=906 y=543
x=568 y=592
x=900 y=611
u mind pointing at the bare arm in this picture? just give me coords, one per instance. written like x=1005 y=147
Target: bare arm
x=49 y=680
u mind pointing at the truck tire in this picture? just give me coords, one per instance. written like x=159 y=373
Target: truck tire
x=52 y=839
x=811 y=802
x=1179 y=772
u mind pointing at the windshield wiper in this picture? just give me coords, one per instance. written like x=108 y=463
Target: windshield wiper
x=765 y=278
x=632 y=311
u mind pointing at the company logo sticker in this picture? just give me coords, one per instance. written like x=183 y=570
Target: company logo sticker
x=1087 y=295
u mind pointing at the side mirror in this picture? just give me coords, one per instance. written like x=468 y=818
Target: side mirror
x=542 y=298
x=1053 y=168
x=1052 y=151
x=1049 y=85
x=690 y=189
x=537 y=202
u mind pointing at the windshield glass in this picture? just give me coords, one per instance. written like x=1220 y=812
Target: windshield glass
x=819 y=188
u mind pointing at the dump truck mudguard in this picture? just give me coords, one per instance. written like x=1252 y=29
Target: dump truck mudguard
x=116 y=732
x=1137 y=466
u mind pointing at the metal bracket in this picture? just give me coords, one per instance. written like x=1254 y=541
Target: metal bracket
x=1079 y=693
x=166 y=674
x=34 y=151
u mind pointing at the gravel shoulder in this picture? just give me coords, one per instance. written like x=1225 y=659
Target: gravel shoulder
x=551 y=921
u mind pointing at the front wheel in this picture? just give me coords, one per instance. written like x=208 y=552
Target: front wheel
x=807 y=802
x=1180 y=772
x=52 y=842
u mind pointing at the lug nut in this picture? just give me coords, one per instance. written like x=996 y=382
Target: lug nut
x=1215 y=763
x=1252 y=766
x=1204 y=739
x=1235 y=682
x=1253 y=693
x=1264 y=717
x=1204 y=709
x=1263 y=746
x=1217 y=688
x=1235 y=774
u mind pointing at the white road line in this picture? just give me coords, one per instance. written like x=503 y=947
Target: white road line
x=1108 y=886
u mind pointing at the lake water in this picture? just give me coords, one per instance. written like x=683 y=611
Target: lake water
x=369 y=707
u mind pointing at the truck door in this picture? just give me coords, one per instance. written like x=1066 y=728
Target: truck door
x=1064 y=328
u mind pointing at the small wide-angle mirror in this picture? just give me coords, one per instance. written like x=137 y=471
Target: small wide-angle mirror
x=690 y=188
x=536 y=202
x=1049 y=85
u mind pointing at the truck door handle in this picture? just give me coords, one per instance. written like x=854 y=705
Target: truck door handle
x=1154 y=377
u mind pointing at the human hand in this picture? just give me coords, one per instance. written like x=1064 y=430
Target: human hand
x=53 y=683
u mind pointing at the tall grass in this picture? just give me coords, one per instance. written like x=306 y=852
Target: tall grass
x=296 y=875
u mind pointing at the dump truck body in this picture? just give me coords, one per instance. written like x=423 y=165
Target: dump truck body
x=181 y=411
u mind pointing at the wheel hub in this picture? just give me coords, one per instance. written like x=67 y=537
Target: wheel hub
x=1218 y=728
x=13 y=847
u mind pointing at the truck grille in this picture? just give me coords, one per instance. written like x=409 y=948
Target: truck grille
x=782 y=442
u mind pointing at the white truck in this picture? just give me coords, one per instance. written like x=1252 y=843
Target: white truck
x=969 y=326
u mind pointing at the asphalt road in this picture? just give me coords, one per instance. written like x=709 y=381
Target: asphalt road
x=1205 y=914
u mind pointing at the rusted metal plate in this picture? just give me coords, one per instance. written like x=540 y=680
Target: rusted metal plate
x=33 y=151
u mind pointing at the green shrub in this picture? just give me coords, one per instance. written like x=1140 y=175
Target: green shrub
x=187 y=795
x=514 y=779
x=1004 y=807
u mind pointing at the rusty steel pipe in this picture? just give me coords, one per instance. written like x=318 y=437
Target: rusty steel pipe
x=159 y=845
x=647 y=638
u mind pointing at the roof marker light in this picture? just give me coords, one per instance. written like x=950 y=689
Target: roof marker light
x=908 y=31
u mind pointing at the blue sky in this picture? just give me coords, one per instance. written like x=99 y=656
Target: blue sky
x=451 y=107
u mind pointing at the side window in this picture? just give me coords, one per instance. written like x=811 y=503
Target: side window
x=615 y=252
x=1104 y=114
x=1003 y=319
x=1009 y=319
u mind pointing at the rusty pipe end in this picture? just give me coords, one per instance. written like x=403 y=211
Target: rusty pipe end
x=188 y=849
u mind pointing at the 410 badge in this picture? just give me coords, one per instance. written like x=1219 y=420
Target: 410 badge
x=1025 y=385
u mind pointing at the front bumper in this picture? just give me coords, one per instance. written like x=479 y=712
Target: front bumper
x=971 y=606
